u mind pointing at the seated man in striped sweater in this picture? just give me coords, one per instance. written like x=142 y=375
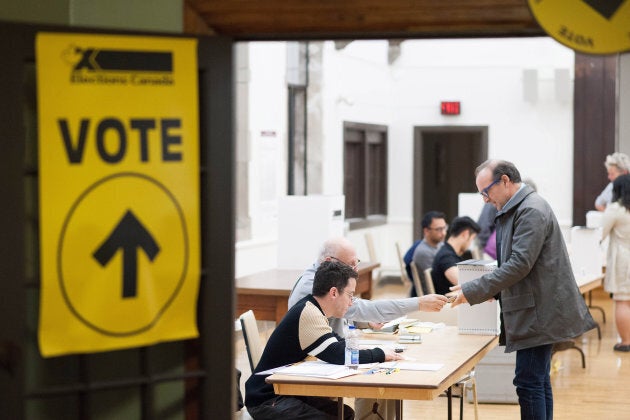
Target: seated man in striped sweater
x=304 y=331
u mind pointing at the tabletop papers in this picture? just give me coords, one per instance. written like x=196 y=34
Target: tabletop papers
x=315 y=369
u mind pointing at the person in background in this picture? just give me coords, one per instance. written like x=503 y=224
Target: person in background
x=374 y=312
x=616 y=225
x=616 y=164
x=423 y=251
x=444 y=273
x=486 y=223
x=540 y=300
x=304 y=331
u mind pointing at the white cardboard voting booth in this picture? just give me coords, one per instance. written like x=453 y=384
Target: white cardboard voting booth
x=586 y=253
x=304 y=223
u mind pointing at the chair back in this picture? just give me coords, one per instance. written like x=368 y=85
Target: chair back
x=416 y=279
x=253 y=343
x=428 y=281
x=369 y=242
x=403 y=273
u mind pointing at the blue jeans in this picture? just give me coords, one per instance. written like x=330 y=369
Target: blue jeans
x=533 y=385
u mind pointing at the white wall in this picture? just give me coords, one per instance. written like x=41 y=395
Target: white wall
x=268 y=135
x=486 y=75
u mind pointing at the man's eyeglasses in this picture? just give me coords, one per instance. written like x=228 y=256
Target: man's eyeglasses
x=484 y=192
x=351 y=294
x=354 y=266
x=439 y=229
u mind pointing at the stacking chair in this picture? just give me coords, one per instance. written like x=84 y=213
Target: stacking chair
x=428 y=281
x=417 y=282
x=403 y=273
x=382 y=271
x=253 y=343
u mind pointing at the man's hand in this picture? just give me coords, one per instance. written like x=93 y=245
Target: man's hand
x=391 y=355
x=375 y=326
x=432 y=303
x=457 y=296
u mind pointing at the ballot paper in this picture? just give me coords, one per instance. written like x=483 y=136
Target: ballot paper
x=315 y=369
x=392 y=326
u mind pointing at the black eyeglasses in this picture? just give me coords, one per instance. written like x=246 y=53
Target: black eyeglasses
x=354 y=266
x=351 y=294
x=439 y=229
x=484 y=192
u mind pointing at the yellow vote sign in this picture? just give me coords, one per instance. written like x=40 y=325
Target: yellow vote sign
x=588 y=26
x=119 y=191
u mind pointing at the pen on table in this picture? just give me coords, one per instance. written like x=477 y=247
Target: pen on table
x=372 y=371
x=392 y=370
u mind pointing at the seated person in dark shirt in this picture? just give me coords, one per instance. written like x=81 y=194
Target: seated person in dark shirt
x=304 y=331
x=444 y=273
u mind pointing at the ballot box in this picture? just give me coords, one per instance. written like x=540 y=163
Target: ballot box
x=482 y=318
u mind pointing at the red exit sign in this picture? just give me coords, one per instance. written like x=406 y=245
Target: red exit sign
x=450 y=108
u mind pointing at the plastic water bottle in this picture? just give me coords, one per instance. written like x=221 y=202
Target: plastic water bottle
x=352 y=348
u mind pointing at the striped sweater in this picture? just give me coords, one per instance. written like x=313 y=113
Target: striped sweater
x=304 y=331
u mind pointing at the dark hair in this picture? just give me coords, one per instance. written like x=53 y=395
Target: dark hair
x=332 y=274
x=429 y=216
x=621 y=191
x=461 y=224
x=500 y=168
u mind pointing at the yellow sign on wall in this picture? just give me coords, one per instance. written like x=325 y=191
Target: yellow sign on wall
x=119 y=191
x=588 y=26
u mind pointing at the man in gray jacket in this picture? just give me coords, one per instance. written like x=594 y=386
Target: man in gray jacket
x=540 y=300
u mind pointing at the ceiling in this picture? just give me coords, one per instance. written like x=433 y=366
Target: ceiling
x=353 y=19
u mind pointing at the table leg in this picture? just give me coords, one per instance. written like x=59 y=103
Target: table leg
x=399 y=409
x=449 y=396
x=340 y=408
x=599 y=308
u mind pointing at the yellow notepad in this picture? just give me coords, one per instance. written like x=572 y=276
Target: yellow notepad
x=418 y=330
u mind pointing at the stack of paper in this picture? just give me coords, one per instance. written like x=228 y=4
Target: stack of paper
x=317 y=369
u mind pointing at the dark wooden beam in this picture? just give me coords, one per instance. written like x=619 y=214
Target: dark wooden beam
x=335 y=19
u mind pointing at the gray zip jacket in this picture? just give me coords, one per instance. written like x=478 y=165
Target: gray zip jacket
x=362 y=310
x=540 y=300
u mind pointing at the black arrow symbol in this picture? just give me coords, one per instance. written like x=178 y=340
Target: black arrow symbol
x=606 y=8
x=128 y=235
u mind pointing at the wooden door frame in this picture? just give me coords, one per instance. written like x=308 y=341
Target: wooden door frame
x=418 y=164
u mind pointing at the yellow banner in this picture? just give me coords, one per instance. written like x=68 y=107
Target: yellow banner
x=119 y=191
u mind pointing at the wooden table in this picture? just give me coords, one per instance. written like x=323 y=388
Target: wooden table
x=587 y=285
x=267 y=293
x=458 y=352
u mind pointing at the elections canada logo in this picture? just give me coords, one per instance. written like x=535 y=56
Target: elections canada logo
x=119 y=67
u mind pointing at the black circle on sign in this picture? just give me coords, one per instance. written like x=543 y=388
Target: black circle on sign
x=180 y=282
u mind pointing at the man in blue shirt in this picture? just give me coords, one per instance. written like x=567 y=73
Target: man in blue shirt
x=423 y=251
